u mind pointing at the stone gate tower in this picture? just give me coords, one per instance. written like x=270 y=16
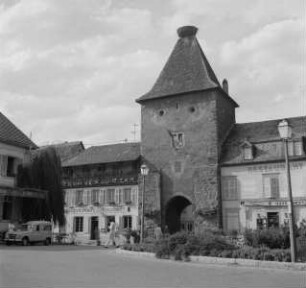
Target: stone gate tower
x=185 y=118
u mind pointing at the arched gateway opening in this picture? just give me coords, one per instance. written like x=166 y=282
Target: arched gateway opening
x=178 y=214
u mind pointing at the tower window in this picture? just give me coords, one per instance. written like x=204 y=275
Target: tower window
x=192 y=109
x=161 y=113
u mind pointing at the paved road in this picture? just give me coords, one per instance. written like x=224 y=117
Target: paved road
x=70 y=266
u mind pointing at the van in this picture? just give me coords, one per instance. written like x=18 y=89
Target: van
x=30 y=232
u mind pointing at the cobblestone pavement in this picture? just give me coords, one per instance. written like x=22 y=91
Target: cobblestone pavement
x=71 y=266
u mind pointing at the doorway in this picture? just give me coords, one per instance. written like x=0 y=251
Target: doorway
x=94 y=228
x=174 y=219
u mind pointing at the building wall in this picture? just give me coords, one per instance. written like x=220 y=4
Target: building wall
x=101 y=210
x=191 y=170
x=252 y=199
x=20 y=156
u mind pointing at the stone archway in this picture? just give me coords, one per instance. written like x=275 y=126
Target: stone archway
x=174 y=209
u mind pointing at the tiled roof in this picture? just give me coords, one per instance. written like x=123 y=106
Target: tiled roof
x=10 y=134
x=67 y=150
x=106 y=154
x=187 y=69
x=265 y=138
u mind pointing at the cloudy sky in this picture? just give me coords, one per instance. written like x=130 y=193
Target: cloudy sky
x=72 y=69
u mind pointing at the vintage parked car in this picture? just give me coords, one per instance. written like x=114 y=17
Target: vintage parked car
x=30 y=232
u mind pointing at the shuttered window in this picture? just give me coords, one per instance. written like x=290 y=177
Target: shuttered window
x=95 y=196
x=127 y=192
x=102 y=196
x=110 y=196
x=79 y=197
x=271 y=186
x=134 y=196
x=229 y=188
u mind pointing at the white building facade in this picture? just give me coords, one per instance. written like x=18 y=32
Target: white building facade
x=101 y=186
x=254 y=188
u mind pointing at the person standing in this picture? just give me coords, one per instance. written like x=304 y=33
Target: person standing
x=111 y=237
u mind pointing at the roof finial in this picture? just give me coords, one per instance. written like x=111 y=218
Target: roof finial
x=187 y=31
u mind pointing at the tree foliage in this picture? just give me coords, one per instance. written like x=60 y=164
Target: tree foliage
x=44 y=172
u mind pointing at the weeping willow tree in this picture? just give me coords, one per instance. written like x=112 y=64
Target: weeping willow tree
x=44 y=172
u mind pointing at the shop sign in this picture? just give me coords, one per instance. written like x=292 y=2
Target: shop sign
x=276 y=203
x=89 y=209
x=276 y=167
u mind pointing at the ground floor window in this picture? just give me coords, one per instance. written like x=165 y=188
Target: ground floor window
x=78 y=224
x=273 y=219
x=127 y=222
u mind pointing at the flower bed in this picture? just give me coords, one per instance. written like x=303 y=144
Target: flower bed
x=181 y=246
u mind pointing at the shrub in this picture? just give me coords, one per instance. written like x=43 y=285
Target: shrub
x=226 y=254
x=144 y=247
x=176 y=239
x=162 y=249
x=274 y=238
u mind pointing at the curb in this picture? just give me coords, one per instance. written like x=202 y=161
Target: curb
x=227 y=261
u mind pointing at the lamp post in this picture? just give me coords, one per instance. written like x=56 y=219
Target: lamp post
x=144 y=170
x=285 y=132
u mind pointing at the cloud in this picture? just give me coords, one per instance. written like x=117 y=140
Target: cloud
x=263 y=66
x=71 y=70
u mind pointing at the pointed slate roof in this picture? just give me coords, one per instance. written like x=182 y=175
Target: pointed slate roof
x=186 y=70
x=11 y=135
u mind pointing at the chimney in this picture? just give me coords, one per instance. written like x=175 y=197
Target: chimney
x=225 y=86
x=187 y=31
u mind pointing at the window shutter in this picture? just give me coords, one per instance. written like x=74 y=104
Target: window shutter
x=84 y=197
x=74 y=224
x=88 y=197
x=134 y=195
x=117 y=198
x=121 y=195
x=267 y=187
x=120 y=222
x=74 y=199
x=274 y=187
x=102 y=196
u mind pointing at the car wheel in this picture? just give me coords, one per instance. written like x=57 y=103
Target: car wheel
x=8 y=243
x=25 y=241
x=47 y=241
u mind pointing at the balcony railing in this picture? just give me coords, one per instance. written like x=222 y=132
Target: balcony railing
x=102 y=180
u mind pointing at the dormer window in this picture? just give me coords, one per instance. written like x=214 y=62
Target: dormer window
x=247 y=150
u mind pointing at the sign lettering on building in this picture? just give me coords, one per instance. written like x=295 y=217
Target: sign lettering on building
x=280 y=203
x=89 y=209
x=275 y=167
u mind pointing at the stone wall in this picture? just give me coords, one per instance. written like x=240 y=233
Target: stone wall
x=152 y=207
x=190 y=170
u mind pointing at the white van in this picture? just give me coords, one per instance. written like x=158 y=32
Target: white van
x=30 y=232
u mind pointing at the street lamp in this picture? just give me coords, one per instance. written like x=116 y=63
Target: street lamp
x=285 y=132
x=144 y=170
